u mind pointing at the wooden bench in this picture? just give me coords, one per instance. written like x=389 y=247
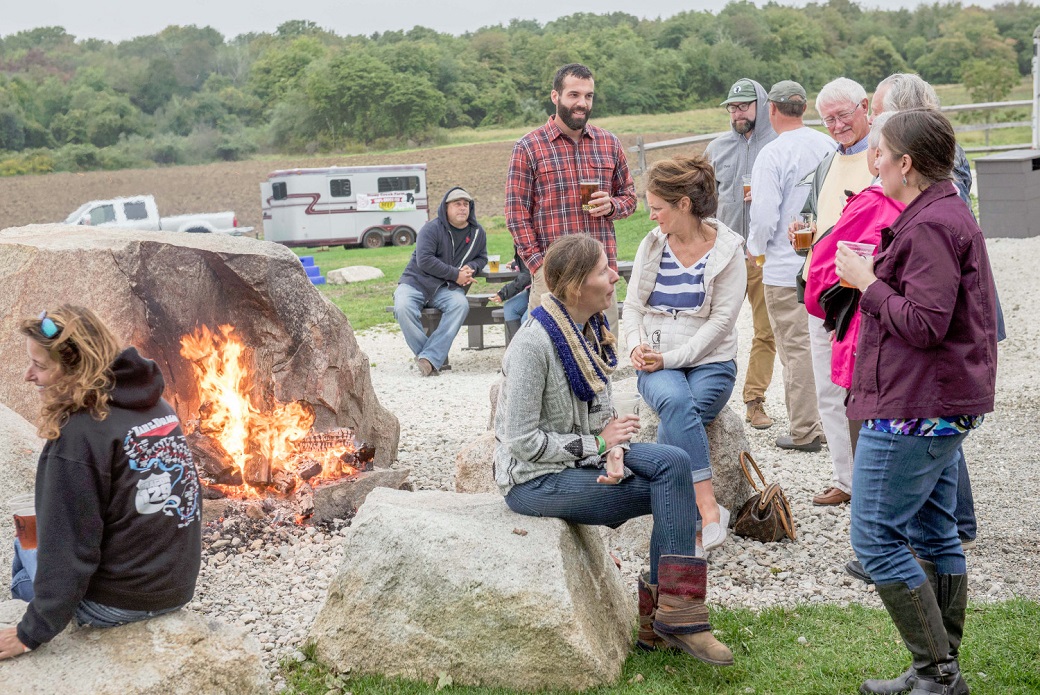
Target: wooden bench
x=480 y=314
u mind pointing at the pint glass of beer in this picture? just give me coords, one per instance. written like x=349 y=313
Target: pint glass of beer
x=588 y=187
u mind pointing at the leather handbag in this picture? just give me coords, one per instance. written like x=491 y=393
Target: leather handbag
x=766 y=516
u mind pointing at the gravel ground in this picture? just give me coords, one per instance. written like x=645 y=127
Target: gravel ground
x=277 y=586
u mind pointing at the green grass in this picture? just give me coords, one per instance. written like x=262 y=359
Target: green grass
x=842 y=647
x=364 y=303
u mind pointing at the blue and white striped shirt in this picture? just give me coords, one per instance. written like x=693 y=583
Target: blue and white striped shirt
x=678 y=288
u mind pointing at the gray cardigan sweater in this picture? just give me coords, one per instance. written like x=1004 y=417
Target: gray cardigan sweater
x=541 y=427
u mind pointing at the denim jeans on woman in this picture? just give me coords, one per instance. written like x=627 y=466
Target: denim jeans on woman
x=23 y=572
x=660 y=486
x=686 y=400
x=898 y=479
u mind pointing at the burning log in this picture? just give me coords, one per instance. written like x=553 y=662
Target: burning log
x=258 y=468
x=209 y=455
x=309 y=468
x=323 y=441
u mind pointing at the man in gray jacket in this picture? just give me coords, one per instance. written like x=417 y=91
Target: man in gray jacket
x=733 y=155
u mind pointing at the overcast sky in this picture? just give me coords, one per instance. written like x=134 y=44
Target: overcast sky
x=116 y=20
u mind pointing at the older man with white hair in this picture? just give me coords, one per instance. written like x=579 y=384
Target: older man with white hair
x=842 y=103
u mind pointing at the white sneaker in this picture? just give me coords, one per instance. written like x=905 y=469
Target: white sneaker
x=714 y=534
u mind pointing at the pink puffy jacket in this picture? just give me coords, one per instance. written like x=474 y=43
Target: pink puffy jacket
x=864 y=216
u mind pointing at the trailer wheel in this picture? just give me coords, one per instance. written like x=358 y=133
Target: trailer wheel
x=373 y=240
x=403 y=236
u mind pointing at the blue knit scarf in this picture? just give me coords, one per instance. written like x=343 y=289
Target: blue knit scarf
x=588 y=356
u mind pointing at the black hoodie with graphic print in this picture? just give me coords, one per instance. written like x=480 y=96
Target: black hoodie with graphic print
x=118 y=515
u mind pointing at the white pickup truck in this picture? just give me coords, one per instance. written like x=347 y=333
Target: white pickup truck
x=140 y=212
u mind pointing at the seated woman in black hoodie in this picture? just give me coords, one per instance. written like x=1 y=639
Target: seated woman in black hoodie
x=118 y=513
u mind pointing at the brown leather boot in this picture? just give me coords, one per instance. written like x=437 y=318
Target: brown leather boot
x=756 y=415
x=682 y=618
x=648 y=639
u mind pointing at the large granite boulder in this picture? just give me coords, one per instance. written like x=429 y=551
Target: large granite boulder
x=154 y=287
x=177 y=654
x=440 y=583
x=473 y=465
x=19 y=450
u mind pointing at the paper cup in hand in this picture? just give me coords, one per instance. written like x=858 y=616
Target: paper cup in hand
x=24 y=509
x=861 y=250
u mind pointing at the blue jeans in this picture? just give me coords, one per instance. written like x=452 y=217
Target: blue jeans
x=515 y=308
x=660 y=486
x=686 y=400
x=23 y=572
x=899 y=479
x=408 y=305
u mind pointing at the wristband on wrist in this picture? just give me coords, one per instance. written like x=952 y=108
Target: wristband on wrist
x=602 y=444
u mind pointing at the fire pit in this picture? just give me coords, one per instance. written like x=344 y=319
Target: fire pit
x=253 y=450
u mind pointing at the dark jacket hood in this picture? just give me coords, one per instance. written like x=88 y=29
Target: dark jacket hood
x=442 y=211
x=138 y=382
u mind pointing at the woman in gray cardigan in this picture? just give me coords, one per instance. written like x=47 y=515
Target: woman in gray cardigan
x=560 y=452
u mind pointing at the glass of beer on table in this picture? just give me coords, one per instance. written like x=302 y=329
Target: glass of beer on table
x=588 y=187
x=493 y=263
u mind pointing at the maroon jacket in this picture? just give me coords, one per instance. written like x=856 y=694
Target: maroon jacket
x=928 y=337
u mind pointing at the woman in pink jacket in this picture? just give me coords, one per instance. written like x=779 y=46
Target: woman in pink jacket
x=864 y=216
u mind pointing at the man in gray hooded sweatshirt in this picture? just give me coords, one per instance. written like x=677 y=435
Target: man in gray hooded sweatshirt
x=733 y=155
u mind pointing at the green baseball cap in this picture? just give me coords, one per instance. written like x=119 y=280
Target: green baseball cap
x=741 y=92
x=787 y=91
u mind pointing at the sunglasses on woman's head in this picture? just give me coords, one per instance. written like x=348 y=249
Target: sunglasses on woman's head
x=47 y=326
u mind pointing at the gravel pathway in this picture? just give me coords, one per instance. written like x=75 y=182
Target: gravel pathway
x=277 y=586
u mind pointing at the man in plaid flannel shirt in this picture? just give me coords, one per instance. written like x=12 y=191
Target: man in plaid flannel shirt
x=543 y=199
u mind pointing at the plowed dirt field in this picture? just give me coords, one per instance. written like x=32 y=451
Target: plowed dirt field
x=480 y=168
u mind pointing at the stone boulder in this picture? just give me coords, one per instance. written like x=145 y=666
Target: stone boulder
x=439 y=583
x=154 y=287
x=473 y=466
x=353 y=273
x=180 y=653
x=19 y=450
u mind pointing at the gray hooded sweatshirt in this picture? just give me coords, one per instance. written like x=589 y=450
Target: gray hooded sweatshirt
x=733 y=155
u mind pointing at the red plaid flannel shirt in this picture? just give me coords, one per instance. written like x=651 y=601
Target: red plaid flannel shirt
x=543 y=201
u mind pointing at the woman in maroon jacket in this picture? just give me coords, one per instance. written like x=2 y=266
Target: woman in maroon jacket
x=925 y=375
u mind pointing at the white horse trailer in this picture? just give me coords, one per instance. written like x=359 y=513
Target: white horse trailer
x=367 y=206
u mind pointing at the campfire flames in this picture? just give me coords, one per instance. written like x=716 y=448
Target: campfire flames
x=255 y=446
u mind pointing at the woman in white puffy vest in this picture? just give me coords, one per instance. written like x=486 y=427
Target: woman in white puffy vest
x=680 y=317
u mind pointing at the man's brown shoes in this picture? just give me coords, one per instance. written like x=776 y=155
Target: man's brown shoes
x=831 y=496
x=756 y=415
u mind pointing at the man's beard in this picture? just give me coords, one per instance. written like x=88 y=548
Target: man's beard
x=571 y=121
x=744 y=127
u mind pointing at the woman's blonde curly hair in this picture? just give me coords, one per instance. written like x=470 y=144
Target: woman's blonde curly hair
x=85 y=348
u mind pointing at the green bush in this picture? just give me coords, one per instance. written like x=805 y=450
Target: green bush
x=31 y=162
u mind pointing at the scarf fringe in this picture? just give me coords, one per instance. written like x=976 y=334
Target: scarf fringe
x=588 y=357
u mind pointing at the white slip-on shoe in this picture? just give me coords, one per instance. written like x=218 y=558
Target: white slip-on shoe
x=715 y=533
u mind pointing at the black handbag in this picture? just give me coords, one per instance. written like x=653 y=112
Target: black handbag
x=766 y=516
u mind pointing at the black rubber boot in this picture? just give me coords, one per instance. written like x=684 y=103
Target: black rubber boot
x=918 y=618
x=951 y=592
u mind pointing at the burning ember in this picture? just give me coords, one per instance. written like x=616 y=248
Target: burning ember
x=246 y=446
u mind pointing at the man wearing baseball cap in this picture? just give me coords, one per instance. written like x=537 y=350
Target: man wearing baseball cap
x=777 y=199
x=733 y=156
x=449 y=250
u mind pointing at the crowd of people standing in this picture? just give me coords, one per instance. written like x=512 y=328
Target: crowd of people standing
x=886 y=325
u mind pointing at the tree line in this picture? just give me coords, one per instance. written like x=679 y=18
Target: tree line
x=189 y=94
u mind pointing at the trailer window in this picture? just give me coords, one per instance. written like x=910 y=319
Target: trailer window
x=399 y=183
x=102 y=214
x=278 y=191
x=339 y=188
x=135 y=211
